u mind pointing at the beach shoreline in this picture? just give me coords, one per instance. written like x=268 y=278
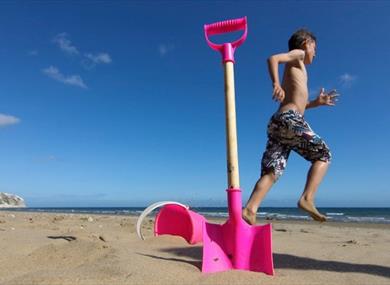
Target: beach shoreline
x=211 y=218
x=58 y=248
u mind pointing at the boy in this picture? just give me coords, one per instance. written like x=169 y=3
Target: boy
x=288 y=130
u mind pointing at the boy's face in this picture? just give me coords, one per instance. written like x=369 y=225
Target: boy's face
x=310 y=51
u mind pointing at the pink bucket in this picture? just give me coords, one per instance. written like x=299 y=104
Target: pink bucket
x=179 y=221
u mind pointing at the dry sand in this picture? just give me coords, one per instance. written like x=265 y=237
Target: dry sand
x=42 y=248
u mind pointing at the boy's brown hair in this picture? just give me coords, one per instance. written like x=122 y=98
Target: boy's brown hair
x=299 y=37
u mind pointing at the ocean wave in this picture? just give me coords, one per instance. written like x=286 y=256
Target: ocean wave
x=215 y=214
x=287 y=217
x=335 y=214
x=344 y=215
x=369 y=219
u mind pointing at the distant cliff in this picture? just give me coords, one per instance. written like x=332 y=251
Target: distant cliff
x=11 y=201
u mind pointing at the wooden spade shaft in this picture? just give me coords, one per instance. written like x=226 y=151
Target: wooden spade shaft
x=231 y=128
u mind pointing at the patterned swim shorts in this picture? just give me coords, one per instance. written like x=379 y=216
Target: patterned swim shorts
x=289 y=131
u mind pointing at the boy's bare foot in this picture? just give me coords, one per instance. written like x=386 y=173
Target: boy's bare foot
x=309 y=207
x=249 y=216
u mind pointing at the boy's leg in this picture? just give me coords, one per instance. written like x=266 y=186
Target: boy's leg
x=261 y=188
x=312 y=148
x=273 y=163
x=314 y=177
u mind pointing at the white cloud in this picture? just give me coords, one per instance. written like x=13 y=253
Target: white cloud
x=33 y=53
x=91 y=60
x=347 y=79
x=165 y=48
x=88 y=60
x=6 y=120
x=46 y=158
x=74 y=80
x=65 y=44
x=99 y=57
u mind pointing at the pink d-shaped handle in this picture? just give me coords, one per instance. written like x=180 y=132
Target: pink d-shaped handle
x=226 y=49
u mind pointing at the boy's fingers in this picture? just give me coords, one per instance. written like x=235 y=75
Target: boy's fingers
x=278 y=95
x=333 y=93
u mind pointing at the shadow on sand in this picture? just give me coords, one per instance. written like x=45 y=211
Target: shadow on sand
x=67 y=238
x=281 y=261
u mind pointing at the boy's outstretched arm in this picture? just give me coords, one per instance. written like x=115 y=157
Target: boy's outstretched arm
x=273 y=68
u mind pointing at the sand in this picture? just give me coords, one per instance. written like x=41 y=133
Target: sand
x=45 y=248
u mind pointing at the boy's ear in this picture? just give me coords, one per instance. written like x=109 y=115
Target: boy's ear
x=304 y=43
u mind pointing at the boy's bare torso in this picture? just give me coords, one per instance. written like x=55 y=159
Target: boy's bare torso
x=295 y=86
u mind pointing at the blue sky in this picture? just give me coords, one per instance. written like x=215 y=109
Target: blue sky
x=121 y=103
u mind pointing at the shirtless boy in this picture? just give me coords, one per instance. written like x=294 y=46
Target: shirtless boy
x=288 y=130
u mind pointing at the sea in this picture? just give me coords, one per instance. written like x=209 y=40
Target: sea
x=344 y=215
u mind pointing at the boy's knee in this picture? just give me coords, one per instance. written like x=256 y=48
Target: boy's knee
x=318 y=153
x=320 y=162
x=274 y=177
x=326 y=154
x=271 y=174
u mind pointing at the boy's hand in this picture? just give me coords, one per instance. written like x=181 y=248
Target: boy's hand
x=278 y=93
x=327 y=99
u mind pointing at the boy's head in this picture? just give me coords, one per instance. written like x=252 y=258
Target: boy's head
x=305 y=40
